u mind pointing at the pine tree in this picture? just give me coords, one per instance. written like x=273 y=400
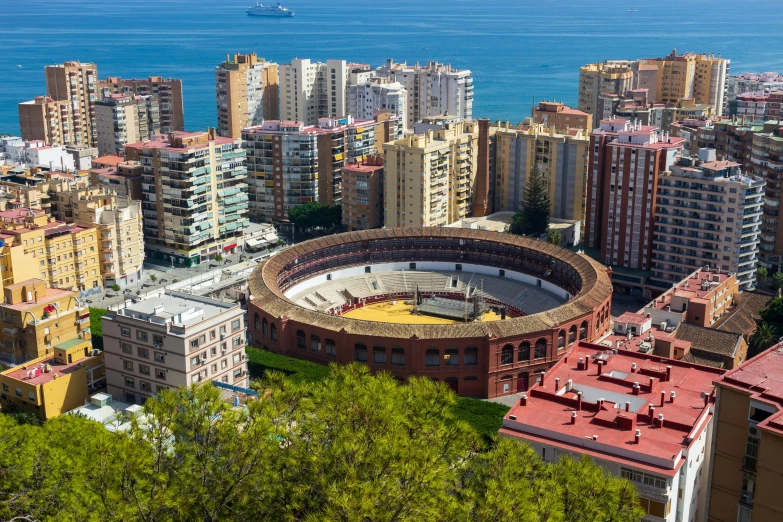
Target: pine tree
x=533 y=219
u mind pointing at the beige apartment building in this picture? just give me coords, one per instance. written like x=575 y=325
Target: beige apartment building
x=46 y=119
x=118 y=221
x=117 y=123
x=562 y=157
x=747 y=464
x=416 y=182
x=562 y=117
x=362 y=203
x=247 y=93
x=76 y=83
x=36 y=318
x=167 y=91
x=173 y=340
x=610 y=76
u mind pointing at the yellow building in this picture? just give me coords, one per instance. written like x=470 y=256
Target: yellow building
x=34 y=245
x=416 y=188
x=36 y=318
x=561 y=157
x=611 y=76
x=56 y=383
x=247 y=93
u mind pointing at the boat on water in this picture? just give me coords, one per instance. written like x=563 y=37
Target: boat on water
x=633 y=10
x=269 y=10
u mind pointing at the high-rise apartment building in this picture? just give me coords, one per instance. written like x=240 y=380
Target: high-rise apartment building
x=117 y=123
x=48 y=120
x=747 y=462
x=174 y=340
x=247 y=93
x=37 y=317
x=707 y=213
x=416 y=182
x=309 y=91
x=194 y=195
x=432 y=90
x=76 y=83
x=375 y=94
x=562 y=117
x=626 y=159
x=595 y=79
x=750 y=107
x=560 y=156
x=767 y=162
x=362 y=203
x=732 y=140
x=291 y=163
x=168 y=92
x=119 y=224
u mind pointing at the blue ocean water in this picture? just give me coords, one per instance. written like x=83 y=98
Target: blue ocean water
x=518 y=50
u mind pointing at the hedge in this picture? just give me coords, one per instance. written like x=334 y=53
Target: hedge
x=96 y=329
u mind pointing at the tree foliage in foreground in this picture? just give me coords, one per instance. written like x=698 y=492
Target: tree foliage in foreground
x=355 y=447
x=314 y=214
x=533 y=219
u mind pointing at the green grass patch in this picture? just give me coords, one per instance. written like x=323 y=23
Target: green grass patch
x=96 y=328
x=485 y=417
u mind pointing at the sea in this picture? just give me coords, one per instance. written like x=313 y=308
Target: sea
x=520 y=51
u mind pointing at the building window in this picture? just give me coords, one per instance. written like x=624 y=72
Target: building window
x=144 y=369
x=145 y=386
x=19 y=391
x=265 y=327
x=644 y=478
x=315 y=343
x=128 y=365
x=160 y=374
x=144 y=353
x=398 y=356
x=540 y=350
x=31 y=396
x=583 y=331
x=141 y=336
x=572 y=335
x=432 y=357
x=157 y=340
x=507 y=355
x=470 y=357
x=126 y=348
x=125 y=332
x=129 y=382
x=331 y=349
x=5 y=387
x=273 y=332
x=751 y=454
x=379 y=355
x=160 y=357
x=256 y=322
x=451 y=358
x=360 y=353
x=523 y=355
x=193 y=344
x=561 y=336
x=300 y=340
x=235 y=325
x=212 y=335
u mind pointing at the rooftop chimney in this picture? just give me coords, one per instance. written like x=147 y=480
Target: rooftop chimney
x=651 y=411
x=542 y=379
x=633 y=367
x=637 y=436
x=668 y=373
x=636 y=388
x=659 y=421
x=579 y=401
x=523 y=400
x=557 y=383
x=663 y=398
x=672 y=396
x=573 y=417
x=628 y=406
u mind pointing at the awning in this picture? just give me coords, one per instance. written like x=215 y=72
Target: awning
x=230 y=247
x=253 y=243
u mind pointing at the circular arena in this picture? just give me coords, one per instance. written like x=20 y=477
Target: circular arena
x=482 y=311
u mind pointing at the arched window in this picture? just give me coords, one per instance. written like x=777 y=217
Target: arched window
x=398 y=356
x=572 y=335
x=540 y=350
x=379 y=355
x=561 y=336
x=583 y=331
x=523 y=355
x=507 y=354
x=331 y=348
x=471 y=356
x=256 y=322
x=506 y=377
x=315 y=343
x=301 y=341
x=452 y=356
x=273 y=331
x=360 y=352
x=265 y=327
x=432 y=357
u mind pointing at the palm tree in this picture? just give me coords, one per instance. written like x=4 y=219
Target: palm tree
x=764 y=337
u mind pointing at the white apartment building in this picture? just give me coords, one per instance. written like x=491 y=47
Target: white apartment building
x=365 y=99
x=433 y=90
x=309 y=91
x=708 y=213
x=173 y=340
x=15 y=151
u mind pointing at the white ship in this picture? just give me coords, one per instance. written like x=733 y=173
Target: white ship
x=268 y=10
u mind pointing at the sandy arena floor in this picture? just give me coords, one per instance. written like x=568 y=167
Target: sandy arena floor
x=400 y=313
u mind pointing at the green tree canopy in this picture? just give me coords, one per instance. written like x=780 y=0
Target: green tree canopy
x=761 y=274
x=533 y=219
x=355 y=447
x=314 y=214
x=777 y=280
